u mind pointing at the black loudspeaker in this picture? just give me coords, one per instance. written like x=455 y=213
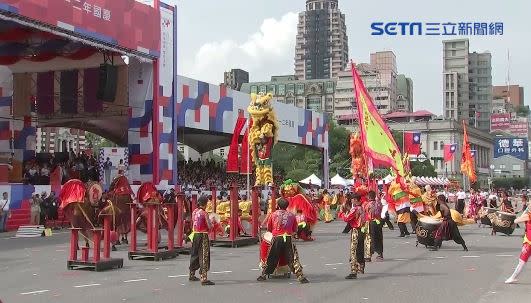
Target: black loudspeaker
x=107 y=83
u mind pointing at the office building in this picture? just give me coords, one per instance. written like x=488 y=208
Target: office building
x=321 y=49
x=404 y=98
x=513 y=94
x=317 y=94
x=467 y=84
x=235 y=78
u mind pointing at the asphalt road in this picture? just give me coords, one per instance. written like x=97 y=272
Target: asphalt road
x=34 y=270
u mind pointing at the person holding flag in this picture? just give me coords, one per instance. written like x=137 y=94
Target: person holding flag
x=467 y=160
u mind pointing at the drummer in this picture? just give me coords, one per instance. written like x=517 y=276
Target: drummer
x=355 y=217
x=526 y=247
x=282 y=224
x=448 y=229
x=506 y=205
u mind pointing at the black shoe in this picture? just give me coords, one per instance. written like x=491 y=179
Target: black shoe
x=434 y=248
x=114 y=248
x=118 y=243
x=124 y=241
x=351 y=277
x=303 y=280
x=207 y=282
x=261 y=278
x=402 y=235
x=193 y=279
x=465 y=248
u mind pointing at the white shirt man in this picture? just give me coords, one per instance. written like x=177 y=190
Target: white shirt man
x=4 y=211
x=461 y=195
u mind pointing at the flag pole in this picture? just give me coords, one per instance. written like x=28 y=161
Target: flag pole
x=247 y=169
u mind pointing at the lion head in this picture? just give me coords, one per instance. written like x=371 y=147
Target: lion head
x=260 y=104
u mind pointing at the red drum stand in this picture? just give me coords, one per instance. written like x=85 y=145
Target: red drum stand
x=153 y=251
x=181 y=237
x=234 y=239
x=95 y=261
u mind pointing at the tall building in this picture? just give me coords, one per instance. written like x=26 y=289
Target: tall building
x=60 y=139
x=404 y=98
x=321 y=49
x=235 y=78
x=317 y=94
x=385 y=64
x=513 y=94
x=467 y=84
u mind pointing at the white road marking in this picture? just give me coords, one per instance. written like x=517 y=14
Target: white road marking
x=400 y=259
x=255 y=269
x=135 y=280
x=87 y=285
x=222 y=272
x=470 y=256
x=504 y=255
x=178 y=276
x=440 y=257
x=334 y=268
x=59 y=250
x=35 y=292
x=331 y=264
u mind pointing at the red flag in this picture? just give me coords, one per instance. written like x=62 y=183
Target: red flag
x=232 y=157
x=449 y=151
x=467 y=162
x=246 y=165
x=412 y=143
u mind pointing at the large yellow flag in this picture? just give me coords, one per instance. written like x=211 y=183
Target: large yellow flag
x=467 y=162
x=378 y=142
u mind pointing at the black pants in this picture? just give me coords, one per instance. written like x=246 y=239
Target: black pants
x=414 y=221
x=403 y=229
x=376 y=237
x=449 y=232
x=460 y=206
x=387 y=221
x=281 y=246
x=200 y=255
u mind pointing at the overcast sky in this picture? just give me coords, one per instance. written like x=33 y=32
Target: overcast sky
x=259 y=36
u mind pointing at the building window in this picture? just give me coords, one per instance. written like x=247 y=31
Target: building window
x=435 y=145
x=517 y=167
x=314 y=103
x=222 y=152
x=502 y=166
x=254 y=89
x=291 y=88
x=262 y=89
x=441 y=145
x=300 y=88
x=281 y=89
x=271 y=89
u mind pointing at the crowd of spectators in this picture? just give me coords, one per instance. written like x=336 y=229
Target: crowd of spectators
x=202 y=175
x=38 y=170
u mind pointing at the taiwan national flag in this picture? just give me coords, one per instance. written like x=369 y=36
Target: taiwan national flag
x=412 y=143
x=449 y=151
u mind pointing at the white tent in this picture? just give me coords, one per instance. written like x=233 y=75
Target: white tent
x=311 y=180
x=337 y=180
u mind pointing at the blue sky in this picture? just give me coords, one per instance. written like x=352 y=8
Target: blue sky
x=259 y=36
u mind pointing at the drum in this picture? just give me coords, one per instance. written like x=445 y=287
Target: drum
x=94 y=193
x=265 y=244
x=504 y=223
x=483 y=215
x=426 y=228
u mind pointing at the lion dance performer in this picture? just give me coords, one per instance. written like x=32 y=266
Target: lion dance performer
x=282 y=224
x=400 y=204
x=298 y=201
x=415 y=198
x=352 y=213
x=526 y=246
x=200 y=253
x=263 y=134
x=430 y=200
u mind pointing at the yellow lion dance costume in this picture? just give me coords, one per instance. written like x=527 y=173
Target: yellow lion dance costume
x=263 y=135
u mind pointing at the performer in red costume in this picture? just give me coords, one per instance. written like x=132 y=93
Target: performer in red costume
x=282 y=224
x=200 y=253
x=526 y=246
x=297 y=200
x=352 y=213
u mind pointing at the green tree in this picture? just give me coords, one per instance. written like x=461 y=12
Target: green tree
x=96 y=142
x=523 y=111
x=338 y=139
x=399 y=139
x=422 y=169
